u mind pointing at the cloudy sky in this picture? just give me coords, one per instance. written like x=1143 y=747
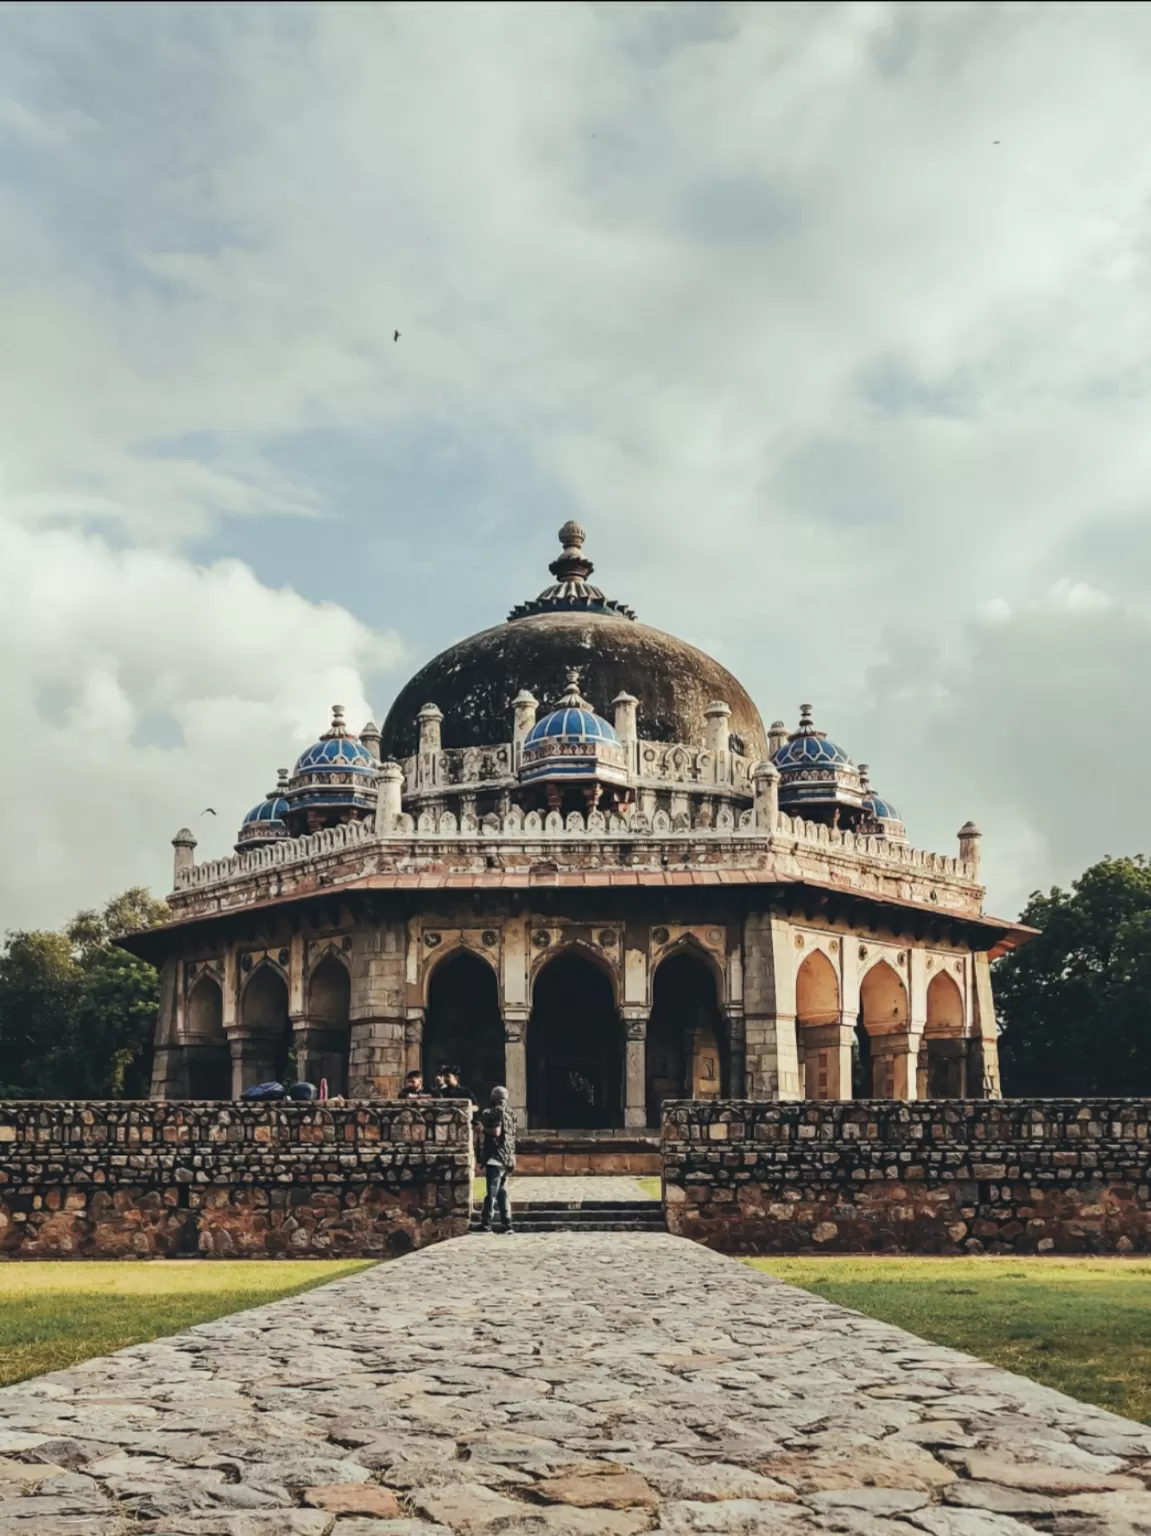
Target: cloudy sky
x=832 y=323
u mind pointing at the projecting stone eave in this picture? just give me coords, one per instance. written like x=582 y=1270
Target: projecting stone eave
x=856 y=906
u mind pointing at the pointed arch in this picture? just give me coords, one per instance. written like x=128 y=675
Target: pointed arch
x=689 y=944
x=883 y=1013
x=579 y=950
x=687 y=1052
x=322 y=1038
x=463 y=1025
x=206 y=1052
x=575 y=1043
x=264 y=1017
x=943 y=1054
x=817 y=1019
x=449 y=950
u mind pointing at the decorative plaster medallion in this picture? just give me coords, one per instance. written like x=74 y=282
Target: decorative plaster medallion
x=489 y=938
x=901 y=957
x=799 y=941
x=346 y=942
x=715 y=935
x=245 y=962
x=283 y=957
x=834 y=946
x=863 y=951
x=959 y=967
x=432 y=939
x=607 y=939
x=541 y=938
x=930 y=962
x=660 y=935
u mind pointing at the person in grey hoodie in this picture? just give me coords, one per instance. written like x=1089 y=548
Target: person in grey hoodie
x=498 y=1155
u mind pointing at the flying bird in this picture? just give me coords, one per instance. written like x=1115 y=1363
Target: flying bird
x=207 y=811
x=396 y=337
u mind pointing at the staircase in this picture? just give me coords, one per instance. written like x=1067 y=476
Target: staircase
x=583 y=1216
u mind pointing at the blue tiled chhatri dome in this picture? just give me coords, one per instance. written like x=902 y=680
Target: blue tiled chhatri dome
x=332 y=780
x=265 y=822
x=816 y=776
x=572 y=724
x=573 y=743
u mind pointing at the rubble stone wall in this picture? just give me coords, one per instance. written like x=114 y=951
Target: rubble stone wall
x=165 y=1180
x=943 y=1176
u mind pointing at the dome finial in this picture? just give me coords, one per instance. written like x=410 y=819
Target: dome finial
x=571 y=699
x=572 y=592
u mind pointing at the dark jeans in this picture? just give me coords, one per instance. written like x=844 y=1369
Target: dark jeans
x=497 y=1195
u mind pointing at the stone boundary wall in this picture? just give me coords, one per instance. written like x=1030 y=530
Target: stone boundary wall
x=946 y=1176
x=173 y=1180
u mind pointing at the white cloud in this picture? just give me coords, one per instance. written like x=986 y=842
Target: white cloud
x=831 y=322
x=96 y=642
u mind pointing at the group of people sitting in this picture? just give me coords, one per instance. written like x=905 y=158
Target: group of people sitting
x=493 y=1129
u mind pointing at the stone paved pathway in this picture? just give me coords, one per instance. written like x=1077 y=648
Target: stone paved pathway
x=580 y=1186
x=577 y=1385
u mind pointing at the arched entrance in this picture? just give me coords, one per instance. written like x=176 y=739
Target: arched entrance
x=818 y=1027
x=463 y=1025
x=575 y=1048
x=322 y=1046
x=685 y=1055
x=269 y=1051
x=206 y=1052
x=943 y=1055
x=882 y=1033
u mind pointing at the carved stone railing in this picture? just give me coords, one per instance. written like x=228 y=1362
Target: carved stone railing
x=516 y=825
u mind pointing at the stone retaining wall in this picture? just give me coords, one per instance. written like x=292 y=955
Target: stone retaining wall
x=971 y=1176
x=164 y=1180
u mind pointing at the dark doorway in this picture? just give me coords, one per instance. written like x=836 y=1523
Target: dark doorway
x=685 y=1056
x=575 y=1048
x=323 y=1053
x=464 y=1026
x=207 y=1053
x=264 y=1013
x=861 y=1068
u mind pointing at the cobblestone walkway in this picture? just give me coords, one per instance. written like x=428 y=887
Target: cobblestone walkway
x=577 y=1385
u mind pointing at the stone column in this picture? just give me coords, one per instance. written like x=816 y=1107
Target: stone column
x=378 y=1010
x=985 y=1056
x=827 y=1059
x=414 y=1040
x=737 y=1053
x=769 y=1007
x=635 y=1068
x=516 y=1061
x=252 y=1060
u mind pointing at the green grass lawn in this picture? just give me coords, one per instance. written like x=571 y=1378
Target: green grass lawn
x=1082 y=1325
x=55 y=1314
x=652 y=1187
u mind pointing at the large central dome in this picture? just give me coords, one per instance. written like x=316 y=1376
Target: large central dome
x=571 y=623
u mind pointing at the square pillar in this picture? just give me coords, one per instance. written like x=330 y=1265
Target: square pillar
x=635 y=1064
x=252 y=1060
x=827 y=1059
x=769 y=1007
x=414 y=1041
x=516 y=1062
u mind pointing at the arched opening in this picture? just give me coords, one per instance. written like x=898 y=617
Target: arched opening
x=269 y=1051
x=943 y=1056
x=322 y=1045
x=818 y=1027
x=464 y=1026
x=883 y=1016
x=575 y=1047
x=685 y=1054
x=206 y=1052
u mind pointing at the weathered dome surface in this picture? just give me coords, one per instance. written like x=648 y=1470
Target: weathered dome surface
x=475 y=681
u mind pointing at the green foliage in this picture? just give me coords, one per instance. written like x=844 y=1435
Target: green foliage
x=77 y=1015
x=1075 y=1002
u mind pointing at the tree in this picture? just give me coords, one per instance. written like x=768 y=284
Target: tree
x=77 y=1014
x=1075 y=1002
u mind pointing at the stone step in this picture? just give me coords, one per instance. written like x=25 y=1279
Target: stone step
x=527 y=1228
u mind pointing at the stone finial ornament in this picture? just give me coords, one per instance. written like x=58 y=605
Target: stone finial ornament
x=431 y=718
x=389 y=799
x=776 y=736
x=765 y=779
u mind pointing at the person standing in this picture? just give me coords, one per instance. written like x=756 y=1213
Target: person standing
x=498 y=1123
x=414 y=1086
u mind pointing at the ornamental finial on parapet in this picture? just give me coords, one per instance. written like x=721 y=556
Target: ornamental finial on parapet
x=969 y=840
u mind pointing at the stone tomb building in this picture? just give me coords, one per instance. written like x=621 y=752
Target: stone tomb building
x=575 y=861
